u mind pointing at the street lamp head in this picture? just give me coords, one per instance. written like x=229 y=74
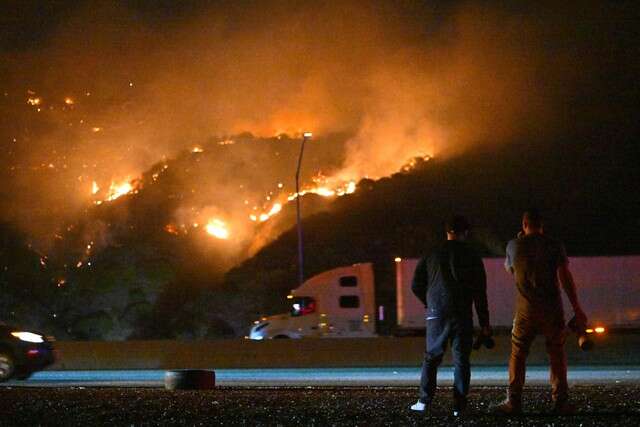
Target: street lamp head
x=307 y=135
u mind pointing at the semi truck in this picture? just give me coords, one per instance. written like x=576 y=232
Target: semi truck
x=343 y=302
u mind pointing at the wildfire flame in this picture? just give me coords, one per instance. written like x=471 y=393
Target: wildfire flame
x=324 y=190
x=119 y=189
x=116 y=190
x=218 y=229
x=277 y=207
x=215 y=227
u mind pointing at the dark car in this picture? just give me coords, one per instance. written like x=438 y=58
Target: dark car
x=23 y=353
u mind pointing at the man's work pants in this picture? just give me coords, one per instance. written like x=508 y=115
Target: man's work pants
x=439 y=333
x=526 y=326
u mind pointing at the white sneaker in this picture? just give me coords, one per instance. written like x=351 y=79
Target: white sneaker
x=419 y=406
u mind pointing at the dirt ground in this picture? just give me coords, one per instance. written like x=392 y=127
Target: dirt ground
x=597 y=406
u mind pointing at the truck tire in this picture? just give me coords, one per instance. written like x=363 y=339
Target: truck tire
x=7 y=365
x=190 y=379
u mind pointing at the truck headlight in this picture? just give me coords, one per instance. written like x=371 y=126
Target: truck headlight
x=28 y=336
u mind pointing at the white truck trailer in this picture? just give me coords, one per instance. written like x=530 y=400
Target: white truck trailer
x=342 y=302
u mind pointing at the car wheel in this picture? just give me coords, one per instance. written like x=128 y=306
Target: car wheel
x=7 y=366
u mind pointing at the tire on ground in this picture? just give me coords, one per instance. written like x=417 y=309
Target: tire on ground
x=190 y=379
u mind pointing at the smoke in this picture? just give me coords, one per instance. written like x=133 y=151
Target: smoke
x=399 y=79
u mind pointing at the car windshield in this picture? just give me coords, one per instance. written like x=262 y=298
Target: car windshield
x=303 y=305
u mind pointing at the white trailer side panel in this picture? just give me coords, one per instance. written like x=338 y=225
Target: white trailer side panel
x=608 y=289
x=410 y=310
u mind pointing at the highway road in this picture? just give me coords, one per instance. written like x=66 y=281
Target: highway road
x=357 y=377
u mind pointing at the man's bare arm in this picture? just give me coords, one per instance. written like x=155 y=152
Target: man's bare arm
x=569 y=286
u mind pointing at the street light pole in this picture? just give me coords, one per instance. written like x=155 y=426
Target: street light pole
x=305 y=136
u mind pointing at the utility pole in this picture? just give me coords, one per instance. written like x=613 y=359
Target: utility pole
x=305 y=137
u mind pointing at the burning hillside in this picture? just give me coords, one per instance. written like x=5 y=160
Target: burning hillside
x=236 y=213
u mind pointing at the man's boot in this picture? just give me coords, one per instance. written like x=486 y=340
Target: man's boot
x=510 y=406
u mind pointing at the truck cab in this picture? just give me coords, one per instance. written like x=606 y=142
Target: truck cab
x=335 y=303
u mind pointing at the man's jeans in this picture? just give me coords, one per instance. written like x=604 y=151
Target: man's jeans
x=439 y=333
x=526 y=325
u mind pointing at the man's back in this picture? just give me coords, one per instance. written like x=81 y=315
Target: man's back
x=534 y=259
x=452 y=276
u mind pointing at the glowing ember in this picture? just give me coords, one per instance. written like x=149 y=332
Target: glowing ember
x=217 y=229
x=34 y=101
x=94 y=188
x=171 y=229
x=197 y=150
x=69 y=101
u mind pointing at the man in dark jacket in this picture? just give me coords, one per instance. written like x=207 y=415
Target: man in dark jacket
x=450 y=282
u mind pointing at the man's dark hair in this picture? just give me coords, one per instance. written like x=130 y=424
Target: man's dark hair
x=457 y=224
x=533 y=217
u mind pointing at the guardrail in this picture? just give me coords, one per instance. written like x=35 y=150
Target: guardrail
x=309 y=353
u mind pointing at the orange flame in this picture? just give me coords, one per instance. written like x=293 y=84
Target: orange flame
x=116 y=190
x=119 y=189
x=218 y=229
